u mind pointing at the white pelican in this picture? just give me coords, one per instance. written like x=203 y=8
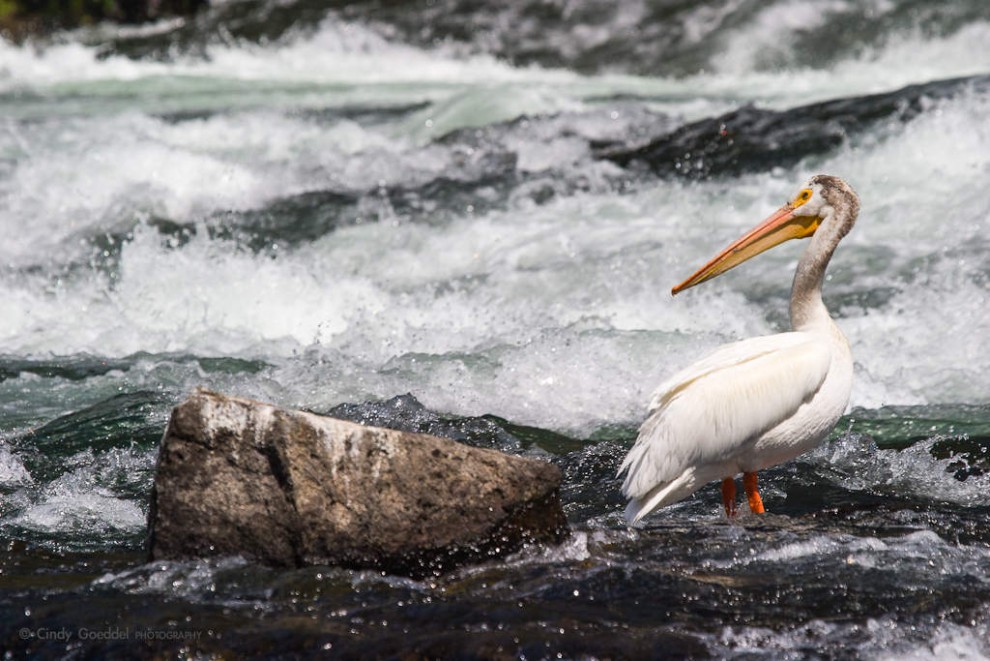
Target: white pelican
x=762 y=401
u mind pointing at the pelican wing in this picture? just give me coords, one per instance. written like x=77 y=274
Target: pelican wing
x=702 y=416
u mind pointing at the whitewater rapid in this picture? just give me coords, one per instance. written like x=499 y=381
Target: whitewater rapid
x=556 y=314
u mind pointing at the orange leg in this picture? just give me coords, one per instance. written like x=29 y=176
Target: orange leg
x=729 y=496
x=749 y=484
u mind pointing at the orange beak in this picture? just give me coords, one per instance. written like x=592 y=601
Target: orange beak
x=781 y=226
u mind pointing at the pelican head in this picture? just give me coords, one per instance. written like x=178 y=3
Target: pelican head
x=825 y=202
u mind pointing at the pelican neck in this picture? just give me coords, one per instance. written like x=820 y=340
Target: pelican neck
x=808 y=311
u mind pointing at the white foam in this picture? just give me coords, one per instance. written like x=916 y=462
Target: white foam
x=865 y=551
x=858 y=465
x=76 y=502
x=771 y=35
x=757 y=57
x=572 y=549
x=28 y=66
x=84 y=175
x=192 y=580
x=12 y=470
x=886 y=638
x=338 y=51
x=72 y=511
x=949 y=642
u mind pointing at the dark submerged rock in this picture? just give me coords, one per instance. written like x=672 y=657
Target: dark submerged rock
x=406 y=413
x=290 y=488
x=751 y=139
x=21 y=19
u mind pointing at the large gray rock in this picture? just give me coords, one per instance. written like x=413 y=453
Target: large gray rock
x=290 y=488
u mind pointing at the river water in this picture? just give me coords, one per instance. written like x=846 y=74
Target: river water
x=444 y=217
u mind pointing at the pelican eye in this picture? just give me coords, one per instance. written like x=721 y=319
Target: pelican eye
x=802 y=197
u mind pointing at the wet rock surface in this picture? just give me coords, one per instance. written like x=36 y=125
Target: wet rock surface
x=752 y=139
x=289 y=488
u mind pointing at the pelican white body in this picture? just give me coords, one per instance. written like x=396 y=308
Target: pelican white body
x=758 y=402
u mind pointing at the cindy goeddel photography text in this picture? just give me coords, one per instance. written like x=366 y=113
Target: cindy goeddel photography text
x=110 y=633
